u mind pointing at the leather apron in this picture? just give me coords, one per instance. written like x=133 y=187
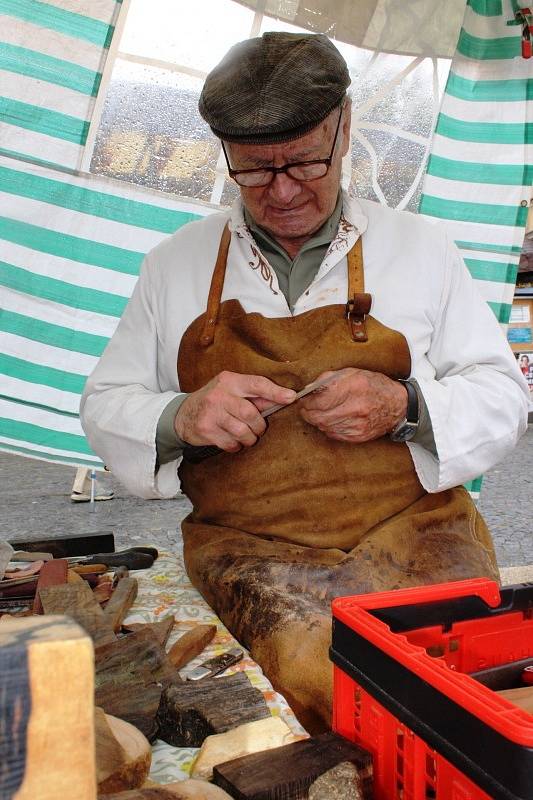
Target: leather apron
x=280 y=529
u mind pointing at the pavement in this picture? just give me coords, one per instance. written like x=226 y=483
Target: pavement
x=35 y=502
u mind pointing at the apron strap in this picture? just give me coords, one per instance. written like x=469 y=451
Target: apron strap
x=215 y=290
x=359 y=302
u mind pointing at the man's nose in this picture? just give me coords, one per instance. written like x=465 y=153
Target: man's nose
x=284 y=188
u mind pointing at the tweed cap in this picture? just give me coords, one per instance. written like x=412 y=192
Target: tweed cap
x=274 y=88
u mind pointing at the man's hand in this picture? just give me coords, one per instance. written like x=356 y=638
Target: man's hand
x=357 y=407
x=226 y=411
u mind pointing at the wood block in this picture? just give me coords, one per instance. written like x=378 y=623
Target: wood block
x=46 y=709
x=288 y=772
x=123 y=754
x=339 y=783
x=253 y=737
x=130 y=673
x=121 y=601
x=162 y=629
x=78 y=601
x=77 y=544
x=191 y=644
x=521 y=697
x=196 y=709
x=54 y=573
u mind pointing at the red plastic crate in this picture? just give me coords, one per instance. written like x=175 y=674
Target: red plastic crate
x=435 y=732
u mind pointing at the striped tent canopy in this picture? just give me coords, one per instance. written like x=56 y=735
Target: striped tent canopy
x=480 y=170
x=72 y=243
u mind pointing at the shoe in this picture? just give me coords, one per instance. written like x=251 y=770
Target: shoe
x=84 y=497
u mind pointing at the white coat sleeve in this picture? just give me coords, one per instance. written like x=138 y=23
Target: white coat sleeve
x=123 y=399
x=478 y=399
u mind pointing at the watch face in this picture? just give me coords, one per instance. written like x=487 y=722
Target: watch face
x=405 y=433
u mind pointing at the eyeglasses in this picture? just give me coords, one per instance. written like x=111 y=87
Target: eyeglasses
x=299 y=170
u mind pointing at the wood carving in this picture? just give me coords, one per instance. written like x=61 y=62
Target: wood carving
x=121 y=601
x=191 y=644
x=54 y=573
x=130 y=674
x=78 y=601
x=288 y=772
x=47 y=747
x=123 y=754
x=162 y=629
x=196 y=709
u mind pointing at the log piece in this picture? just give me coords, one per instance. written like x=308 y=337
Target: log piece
x=123 y=754
x=130 y=674
x=253 y=737
x=121 y=601
x=162 y=629
x=78 y=601
x=287 y=772
x=191 y=644
x=46 y=710
x=194 y=710
x=54 y=573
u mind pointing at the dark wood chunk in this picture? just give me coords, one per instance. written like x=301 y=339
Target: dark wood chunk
x=191 y=644
x=339 y=783
x=196 y=709
x=287 y=772
x=77 y=544
x=130 y=675
x=78 y=601
x=53 y=573
x=162 y=629
x=121 y=601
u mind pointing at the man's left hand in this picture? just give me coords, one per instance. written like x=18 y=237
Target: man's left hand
x=356 y=407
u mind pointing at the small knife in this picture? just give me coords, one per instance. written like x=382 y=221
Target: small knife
x=194 y=454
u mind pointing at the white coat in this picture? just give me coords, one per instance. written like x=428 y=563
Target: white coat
x=475 y=394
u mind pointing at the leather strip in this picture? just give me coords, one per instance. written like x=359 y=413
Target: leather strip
x=215 y=290
x=359 y=301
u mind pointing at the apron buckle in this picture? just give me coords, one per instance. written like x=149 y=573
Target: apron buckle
x=357 y=308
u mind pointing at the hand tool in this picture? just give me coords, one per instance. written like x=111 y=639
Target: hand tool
x=130 y=558
x=196 y=453
x=214 y=666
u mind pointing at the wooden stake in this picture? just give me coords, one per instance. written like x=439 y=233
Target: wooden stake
x=46 y=708
x=121 y=601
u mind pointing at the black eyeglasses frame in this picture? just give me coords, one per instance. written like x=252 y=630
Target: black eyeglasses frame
x=233 y=173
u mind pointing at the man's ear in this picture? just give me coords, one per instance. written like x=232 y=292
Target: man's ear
x=346 y=125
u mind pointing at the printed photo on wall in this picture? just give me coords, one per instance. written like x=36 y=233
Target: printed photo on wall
x=525 y=362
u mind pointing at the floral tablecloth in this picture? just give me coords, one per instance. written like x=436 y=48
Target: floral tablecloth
x=165 y=589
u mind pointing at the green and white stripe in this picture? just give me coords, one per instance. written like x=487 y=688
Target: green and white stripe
x=51 y=61
x=480 y=170
x=65 y=278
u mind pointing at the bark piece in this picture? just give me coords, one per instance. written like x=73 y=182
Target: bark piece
x=47 y=745
x=130 y=674
x=123 y=754
x=521 y=697
x=191 y=644
x=339 y=783
x=288 y=772
x=196 y=709
x=162 y=629
x=78 y=601
x=121 y=601
x=54 y=573
x=253 y=737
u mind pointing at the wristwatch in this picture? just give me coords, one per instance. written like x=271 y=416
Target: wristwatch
x=407 y=427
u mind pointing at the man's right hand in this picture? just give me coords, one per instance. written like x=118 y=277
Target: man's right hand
x=226 y=411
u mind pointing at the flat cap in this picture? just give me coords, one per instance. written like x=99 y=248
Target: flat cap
x=274 y=88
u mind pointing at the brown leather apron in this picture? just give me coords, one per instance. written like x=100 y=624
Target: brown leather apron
x=279 y=529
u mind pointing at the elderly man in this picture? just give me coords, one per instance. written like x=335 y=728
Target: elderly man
x=354 y=488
